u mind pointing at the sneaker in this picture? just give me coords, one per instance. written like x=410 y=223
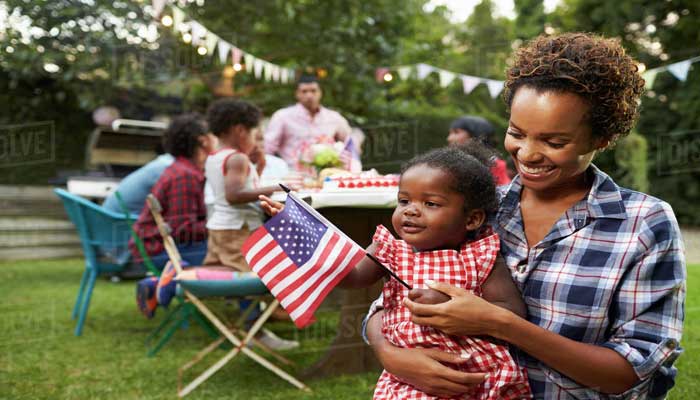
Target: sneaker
x=275 y=342
x=167 y=286
x=146 y=296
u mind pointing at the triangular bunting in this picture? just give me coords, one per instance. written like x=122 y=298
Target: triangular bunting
x=249 y=61
x=258 y=66
x=495 y=87
x=379 y=74
x=424 y=70
x=649 y=78
x=201 y=36
x=680 y=70
x=236 y=55
x=158 y=6
x=210 y=42
x=446 y=77
x=178 y=18
x=267 y=71
x=404 y=72
x=198 y=31
x=223 y=47
x=283 y=75
x=469 y=83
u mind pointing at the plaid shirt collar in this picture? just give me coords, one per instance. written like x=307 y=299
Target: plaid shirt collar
x=604 y=200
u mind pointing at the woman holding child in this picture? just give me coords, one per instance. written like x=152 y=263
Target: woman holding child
x=600 y=267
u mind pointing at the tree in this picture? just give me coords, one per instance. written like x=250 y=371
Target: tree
x=657 y=34
x=530 y=18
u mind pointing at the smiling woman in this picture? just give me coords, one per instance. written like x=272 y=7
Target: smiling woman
x=600 y=267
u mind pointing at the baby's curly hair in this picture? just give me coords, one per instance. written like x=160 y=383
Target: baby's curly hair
x=469 y=167
x=225 y=113
x=181 y=137
x=595 y=68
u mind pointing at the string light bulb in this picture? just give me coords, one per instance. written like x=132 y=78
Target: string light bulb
x=167 y=20
x=201 y=50
x=186 y=37
x=237 y=67
x=388 y=77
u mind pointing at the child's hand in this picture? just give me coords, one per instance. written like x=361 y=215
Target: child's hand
x=428 y=296
x=270 y=206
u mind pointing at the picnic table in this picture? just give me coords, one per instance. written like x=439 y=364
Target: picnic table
x=357 y=214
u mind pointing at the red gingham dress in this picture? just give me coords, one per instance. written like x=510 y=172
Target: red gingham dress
x=467 y=269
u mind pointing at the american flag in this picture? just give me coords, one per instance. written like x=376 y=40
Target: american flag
x=300 y=257
x=350 y=157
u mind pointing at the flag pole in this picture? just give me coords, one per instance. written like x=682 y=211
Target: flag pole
x=323 y=219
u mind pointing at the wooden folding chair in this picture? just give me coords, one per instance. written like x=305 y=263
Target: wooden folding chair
x=179 y=315
x=235 y=288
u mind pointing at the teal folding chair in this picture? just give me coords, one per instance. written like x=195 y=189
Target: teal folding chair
x=242 y=287
x=179 y=315
x=104 y=237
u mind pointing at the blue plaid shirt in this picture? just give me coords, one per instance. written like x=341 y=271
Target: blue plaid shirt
x=611 y=272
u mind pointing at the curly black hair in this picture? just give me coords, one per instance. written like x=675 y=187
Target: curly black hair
x=225 y=113
x=180 y=138
x=469 y=167
x=591 y=66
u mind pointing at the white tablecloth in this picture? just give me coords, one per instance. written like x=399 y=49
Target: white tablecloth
x=352 y=199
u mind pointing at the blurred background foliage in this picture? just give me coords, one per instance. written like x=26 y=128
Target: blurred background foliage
x=113 y=53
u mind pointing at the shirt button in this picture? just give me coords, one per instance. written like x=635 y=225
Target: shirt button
x=672 y=344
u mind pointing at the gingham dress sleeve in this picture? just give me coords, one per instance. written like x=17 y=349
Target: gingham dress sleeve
x=386 y=245
x=485 y=250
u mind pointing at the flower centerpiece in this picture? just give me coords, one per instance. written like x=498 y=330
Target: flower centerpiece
x=321 y=154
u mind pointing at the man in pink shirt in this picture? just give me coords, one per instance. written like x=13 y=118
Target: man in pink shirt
x=292 y=127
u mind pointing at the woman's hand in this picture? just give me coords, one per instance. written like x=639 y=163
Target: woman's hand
x=270 y=206
x=422 y=368
x=425 y=369
x=465 y=314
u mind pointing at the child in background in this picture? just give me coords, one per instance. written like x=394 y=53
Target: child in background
x=234 y=181
x=445 y=198
x=180 y=191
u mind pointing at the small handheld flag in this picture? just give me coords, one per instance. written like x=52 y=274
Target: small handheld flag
x=325 y=221
x=300 y=258
x=350 y=157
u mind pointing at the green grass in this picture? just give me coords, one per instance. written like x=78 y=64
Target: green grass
x=41 y=359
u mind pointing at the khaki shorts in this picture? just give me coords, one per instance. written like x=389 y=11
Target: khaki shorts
x=224 y=248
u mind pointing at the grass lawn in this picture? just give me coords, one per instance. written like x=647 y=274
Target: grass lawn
x=41 y=359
